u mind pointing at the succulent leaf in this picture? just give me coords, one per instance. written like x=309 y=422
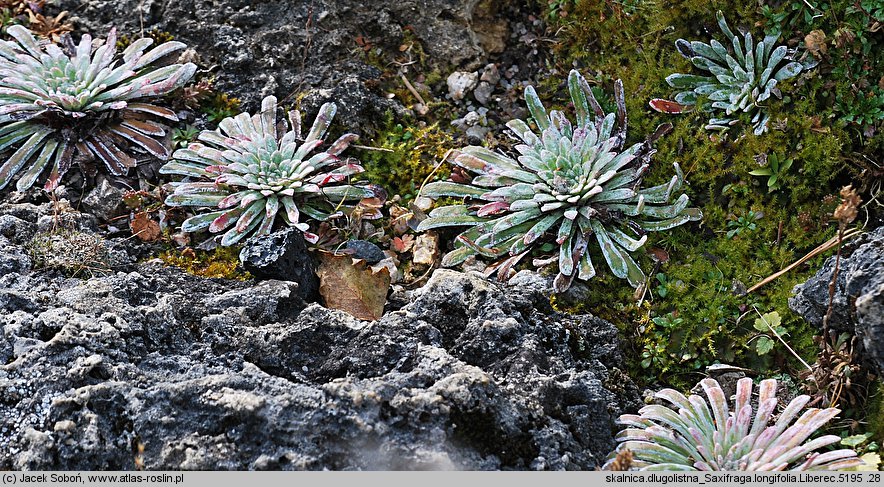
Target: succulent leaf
x=707 y=435
x=569 y=181
x=254 y=167
x=86 y=102
x=743 y=76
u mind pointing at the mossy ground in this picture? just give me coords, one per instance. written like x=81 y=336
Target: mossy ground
x=222 y=262
x=405 y=156
x=815 y=124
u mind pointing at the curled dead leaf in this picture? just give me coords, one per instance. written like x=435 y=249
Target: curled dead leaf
x=426 y=249
x=352 y=286
x=668 y=106
x=144 y=227
x=815 y=42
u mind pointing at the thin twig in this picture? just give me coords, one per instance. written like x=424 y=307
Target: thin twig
x=376 y=149
x=413 y=91
x=833 y=284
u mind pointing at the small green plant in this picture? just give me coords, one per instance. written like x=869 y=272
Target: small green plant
x=656 y=353
x=863 y=107
x=867 y=449
x=742 y=76
x=663 y=286
x=183 y=136
x=572 y=182
x=252 y=169
x=78 y=104
x=743 y=223
x=776 y=167
x=769 y=326
x=218 y=106
x=557 y=9
x=694 y=434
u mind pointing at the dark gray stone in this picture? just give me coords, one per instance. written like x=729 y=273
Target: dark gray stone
x=282 y=255
x=13 y=259
x=105 y=201
x=218 y=374
x=16 y=229
x=859 y=295
x=287 y=48
x=365 y=250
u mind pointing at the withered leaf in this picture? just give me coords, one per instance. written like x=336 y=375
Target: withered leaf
x=352 y=286
x=426 y=249
x=816 y=42
x=402 y=244
x=668 y=106
x=144 y=227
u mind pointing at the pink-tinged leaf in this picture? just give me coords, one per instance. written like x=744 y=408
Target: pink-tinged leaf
x=717 y=401
x=145 y=126
x=767 y=402
x=743 y=396
x=322 y=122
x=225 y=220
x=342 y=143
x=673 y=397
x=232 y=200
x=833 y=456
x=668 y=106
x=114 y=159
x=15 y=107
x=329 y=178
x=153 y=110
x=472 y=163
x=494 y=208
x=152 y=146
x=52 y=181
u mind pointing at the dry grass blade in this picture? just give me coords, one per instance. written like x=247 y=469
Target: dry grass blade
x=828 y=245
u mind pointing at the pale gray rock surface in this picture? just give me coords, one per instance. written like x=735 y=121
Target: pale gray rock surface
x=218 y=374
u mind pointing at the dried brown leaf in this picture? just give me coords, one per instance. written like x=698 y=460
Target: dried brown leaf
x=402 y=244
x=144 y=227
x=352 y=286
x=815 y=42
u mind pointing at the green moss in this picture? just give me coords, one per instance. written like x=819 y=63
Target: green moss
x=876 y=412
x=222 y=262
x=407 y=157
x=157 y=35
x=217 y=106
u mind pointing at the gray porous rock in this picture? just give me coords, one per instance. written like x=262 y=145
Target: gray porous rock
x=282 y=255
x=219 y=374
x=285 y=47
x=105 y=201
x=858 y=305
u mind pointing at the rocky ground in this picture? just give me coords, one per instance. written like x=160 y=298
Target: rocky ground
x=322 y=50
x=858 y=304
x=144 y=365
